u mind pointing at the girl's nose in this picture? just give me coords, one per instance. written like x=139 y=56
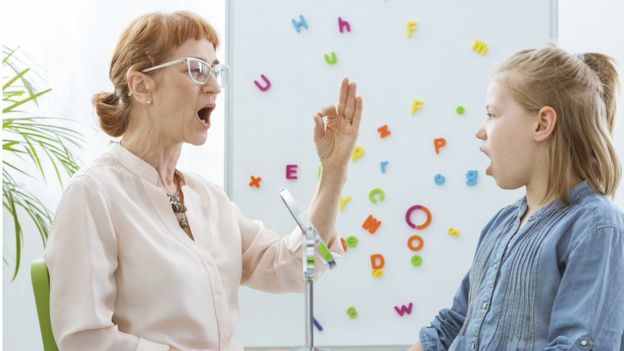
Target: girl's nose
x=480 y=133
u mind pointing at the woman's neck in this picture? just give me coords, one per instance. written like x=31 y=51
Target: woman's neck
x=157 y=152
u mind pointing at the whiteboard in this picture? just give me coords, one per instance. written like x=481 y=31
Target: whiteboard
x=268 y=130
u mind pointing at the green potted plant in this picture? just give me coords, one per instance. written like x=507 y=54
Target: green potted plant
x=31 y=144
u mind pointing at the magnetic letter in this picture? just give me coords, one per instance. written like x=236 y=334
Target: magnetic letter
x=439 y=143
x=377 y=261
x=291 y=172
x=371 y=224
x=342 y=24
x=411 y=27
x=267 y=83
x=301 y=23
x=357 y=153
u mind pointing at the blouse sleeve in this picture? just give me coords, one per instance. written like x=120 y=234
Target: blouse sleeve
x=587 y=312
x=81 y=256
x=273 y=263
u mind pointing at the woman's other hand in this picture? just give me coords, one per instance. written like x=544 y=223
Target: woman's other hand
x=336 y=136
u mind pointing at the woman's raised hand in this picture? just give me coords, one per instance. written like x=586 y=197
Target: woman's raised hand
x=336 y=136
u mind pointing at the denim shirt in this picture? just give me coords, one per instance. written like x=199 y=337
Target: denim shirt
x=557 y=283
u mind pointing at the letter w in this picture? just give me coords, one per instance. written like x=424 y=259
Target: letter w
x=371 y=224
x=404 y=309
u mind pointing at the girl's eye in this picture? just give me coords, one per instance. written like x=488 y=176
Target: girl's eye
x=490 y=115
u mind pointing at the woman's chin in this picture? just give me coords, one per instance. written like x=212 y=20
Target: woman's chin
x=198 y=140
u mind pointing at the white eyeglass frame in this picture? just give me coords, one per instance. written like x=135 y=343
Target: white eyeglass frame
x=212 y=70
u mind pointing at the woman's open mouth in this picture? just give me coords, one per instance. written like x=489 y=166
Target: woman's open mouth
x=204 y=115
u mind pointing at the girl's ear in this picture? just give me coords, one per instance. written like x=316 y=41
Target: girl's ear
x=545 y=124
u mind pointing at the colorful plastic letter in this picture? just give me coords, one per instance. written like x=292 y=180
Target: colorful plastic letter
x=352 y=312
x=383 y=164
x=408 y=218
x=352 y=241
x=317 y=324
x=376 y=191
x=342 y=24
x=404 y=309
x=255 y=181
x=418 y=246
x=480 y=47
x=377 y=261
x=383 y=131
x=416 y=260
x=439 y=179
x=417 y=105
x=300 y=23
x=472 y=176
x=291 y=172
x=453 y=231
x=411 y=27
x=267 y=83
x=371 y=224
x=331 y=59
x=343 y=202
x=358 y=152
x=439 y=143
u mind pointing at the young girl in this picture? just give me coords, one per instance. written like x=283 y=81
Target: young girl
x=548 y=273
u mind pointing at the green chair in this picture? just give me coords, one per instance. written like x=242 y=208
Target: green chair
x=41 y=288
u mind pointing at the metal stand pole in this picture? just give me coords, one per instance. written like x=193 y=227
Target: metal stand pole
x=309 y=318
x=312 y=243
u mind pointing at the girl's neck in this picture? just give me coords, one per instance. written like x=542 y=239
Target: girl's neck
x=537 y=188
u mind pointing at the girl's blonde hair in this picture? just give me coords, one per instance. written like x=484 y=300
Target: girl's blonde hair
x=146 y=42
x=582 y=89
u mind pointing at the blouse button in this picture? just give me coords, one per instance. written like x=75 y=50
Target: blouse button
x=585 y=342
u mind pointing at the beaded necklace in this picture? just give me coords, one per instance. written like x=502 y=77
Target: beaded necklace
x=178 y=206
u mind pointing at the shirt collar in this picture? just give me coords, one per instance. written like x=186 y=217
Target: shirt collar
x=576 y=194
x=137 y=165
x=580 y=191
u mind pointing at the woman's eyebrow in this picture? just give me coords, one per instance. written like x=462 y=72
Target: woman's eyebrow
x=214 y=62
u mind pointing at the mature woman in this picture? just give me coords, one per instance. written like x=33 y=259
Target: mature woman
x=145 y=257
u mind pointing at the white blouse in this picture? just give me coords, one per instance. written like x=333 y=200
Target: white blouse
x=125 y=276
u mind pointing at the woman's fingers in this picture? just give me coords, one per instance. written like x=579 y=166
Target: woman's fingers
x=319 y=127
x=357 y=116
x=342 y=99
x=350 y=106
x=330 y=112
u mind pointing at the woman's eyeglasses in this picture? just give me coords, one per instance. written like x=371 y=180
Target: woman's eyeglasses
x=198 y=70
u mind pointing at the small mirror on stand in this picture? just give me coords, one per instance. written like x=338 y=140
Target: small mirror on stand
x=312 y=243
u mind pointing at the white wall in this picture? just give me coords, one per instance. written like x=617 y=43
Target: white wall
x=73 y=40
x=596 y=26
